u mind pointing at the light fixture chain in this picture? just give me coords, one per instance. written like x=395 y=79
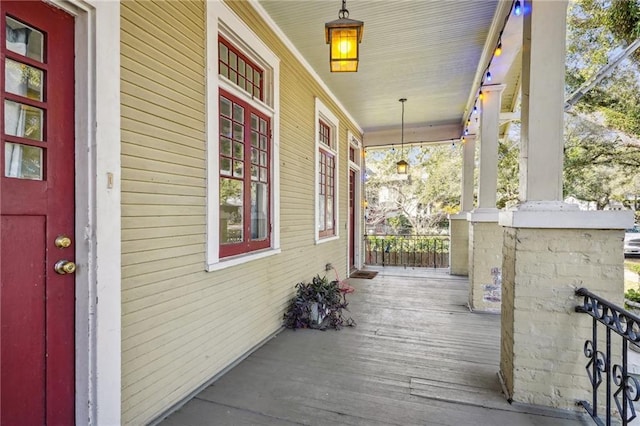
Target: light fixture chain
x=344 y=13
x=402 y=167
x=402 y=100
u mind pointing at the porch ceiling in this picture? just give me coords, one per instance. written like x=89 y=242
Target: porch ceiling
x=434 y=53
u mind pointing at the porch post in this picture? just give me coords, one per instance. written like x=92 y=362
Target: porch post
x=485 y=235
x=458 y=225
x=550 y=248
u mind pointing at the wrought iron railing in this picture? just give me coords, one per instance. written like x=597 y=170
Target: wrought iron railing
x=621 y=386
x=407 y=250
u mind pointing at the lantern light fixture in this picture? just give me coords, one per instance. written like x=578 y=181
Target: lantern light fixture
x=343 y=36
x=402 y=167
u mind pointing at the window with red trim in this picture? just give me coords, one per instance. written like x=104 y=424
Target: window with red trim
x=327 y=182
x=239 y=69
x=245 y=182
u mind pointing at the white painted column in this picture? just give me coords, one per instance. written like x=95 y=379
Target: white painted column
x=485 y=235
x=543 y=68
x=458 y=225
x=551 y=248
x=489 y=126
x=468 y=167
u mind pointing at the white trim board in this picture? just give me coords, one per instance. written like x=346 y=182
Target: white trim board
x=357 y=232
x=98 y=217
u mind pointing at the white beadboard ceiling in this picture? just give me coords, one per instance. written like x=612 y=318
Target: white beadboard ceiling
x=432 y=52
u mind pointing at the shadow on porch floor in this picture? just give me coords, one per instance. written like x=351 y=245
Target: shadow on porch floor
x=416 y=357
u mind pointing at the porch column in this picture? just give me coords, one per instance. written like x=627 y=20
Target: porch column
x=550 y=248
x=485 y=235
x=458 y=225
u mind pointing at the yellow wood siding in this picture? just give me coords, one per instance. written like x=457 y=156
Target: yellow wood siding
x=180 y=324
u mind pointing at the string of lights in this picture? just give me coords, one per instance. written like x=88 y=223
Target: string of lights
x=516 y=9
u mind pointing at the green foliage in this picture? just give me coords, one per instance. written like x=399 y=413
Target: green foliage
x=400 y=224
x=508 y=168
x=598 y=166
x=597 y=31
x=424 y=197
x=634 y=267
x=623 y=19
x=632 y=295
x=318 y=305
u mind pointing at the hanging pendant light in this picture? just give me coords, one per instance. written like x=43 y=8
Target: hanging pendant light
x=402 y=167
x=343 y=37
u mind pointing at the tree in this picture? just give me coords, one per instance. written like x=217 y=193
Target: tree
x=508 y=167
x=599 y=166
x=424 y=197
x=597 y=30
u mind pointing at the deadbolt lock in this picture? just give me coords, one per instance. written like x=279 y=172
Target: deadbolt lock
x=63 y=241
x=65 y=267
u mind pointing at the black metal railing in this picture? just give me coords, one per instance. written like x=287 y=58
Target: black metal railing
x=621 y=387
x=407 y=250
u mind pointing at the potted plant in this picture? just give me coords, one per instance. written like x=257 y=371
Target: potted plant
x=317 y=305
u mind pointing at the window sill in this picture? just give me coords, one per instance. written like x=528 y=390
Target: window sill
x=240 y=259
x=327 y=239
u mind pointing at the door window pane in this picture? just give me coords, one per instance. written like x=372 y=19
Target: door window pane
x=22 y=161
x=225 y=166
x=23 y=120
x=225 y=107
x=238 y=169
x=24 y=40
x=231 y=207
x=23 y=80
x=238 y=132
x=225 y=147
x=329 y=212
x=259 y=214
x=225 y=127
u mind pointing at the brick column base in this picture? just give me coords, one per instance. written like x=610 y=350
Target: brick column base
x=459 y=246
x=542 y=360
x=485 y=262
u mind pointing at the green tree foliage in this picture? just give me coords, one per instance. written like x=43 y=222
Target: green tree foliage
x=420 y=201
x=598 y=166
x=602 y=153
x=623 y=20
x=597 y=31
x=508 y=166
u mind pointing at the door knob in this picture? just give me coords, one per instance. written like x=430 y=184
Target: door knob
x=63 y=241
x=65 y=267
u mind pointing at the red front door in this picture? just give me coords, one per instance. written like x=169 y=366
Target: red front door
x=352 y=219
x=37 y=215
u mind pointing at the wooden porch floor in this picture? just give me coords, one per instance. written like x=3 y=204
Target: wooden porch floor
x=416 y=357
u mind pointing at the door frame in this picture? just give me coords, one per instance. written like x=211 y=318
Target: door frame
x=98 y=247
x=356 y=166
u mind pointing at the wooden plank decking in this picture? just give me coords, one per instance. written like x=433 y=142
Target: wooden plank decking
x=416 y=357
